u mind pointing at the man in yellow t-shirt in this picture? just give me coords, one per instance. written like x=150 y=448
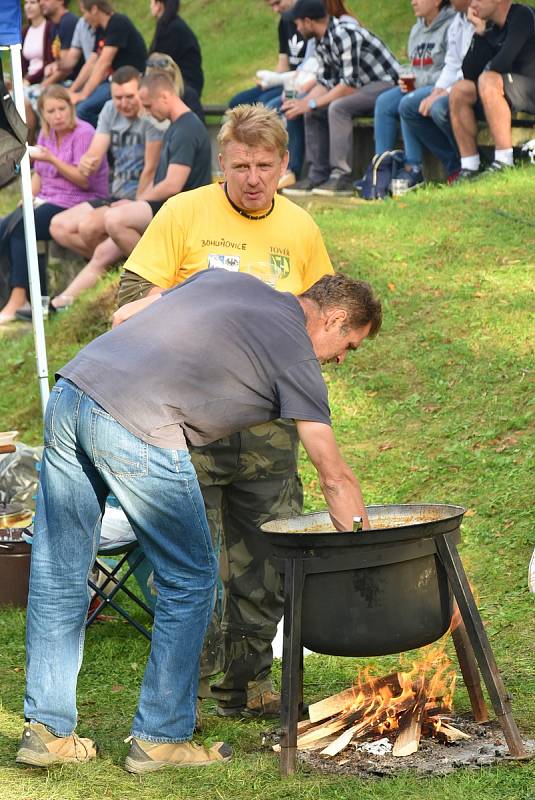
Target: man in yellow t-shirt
x=250 y=477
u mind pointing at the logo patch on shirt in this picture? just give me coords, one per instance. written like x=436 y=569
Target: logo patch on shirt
x=217 y=261
x=280 y=265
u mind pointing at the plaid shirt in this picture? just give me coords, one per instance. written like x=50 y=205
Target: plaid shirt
x=350 y=54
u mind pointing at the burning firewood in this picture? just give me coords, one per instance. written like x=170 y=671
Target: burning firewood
x=410 y=727
x=349 y=698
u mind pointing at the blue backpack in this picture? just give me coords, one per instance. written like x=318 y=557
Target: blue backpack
x=383 y=168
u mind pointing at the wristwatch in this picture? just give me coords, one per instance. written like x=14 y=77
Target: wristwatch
x=312 y=103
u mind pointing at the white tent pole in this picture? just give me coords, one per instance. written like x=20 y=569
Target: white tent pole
x=29 y=235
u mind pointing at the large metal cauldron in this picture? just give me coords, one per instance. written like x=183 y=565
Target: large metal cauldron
x=375 y=592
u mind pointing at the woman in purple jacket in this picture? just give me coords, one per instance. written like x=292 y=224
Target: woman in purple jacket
x=57 y=184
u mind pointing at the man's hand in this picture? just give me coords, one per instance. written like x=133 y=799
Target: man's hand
x=76 y=97
x=122 y=202
x=130 y=309
x=295 y=108
x=339 y=485
x=479 y=24
x=425 y=106
x=88 y=165
x=50 y=69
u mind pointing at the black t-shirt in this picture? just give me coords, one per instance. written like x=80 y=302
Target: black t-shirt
x=290 y=41
x=178 y=41
x=61 y=34
x=507 y=49
x=121 y=33
x=186 y=142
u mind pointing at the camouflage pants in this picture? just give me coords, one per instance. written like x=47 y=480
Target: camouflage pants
x=246 y=479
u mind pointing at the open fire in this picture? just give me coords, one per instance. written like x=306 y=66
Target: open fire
x=398 y=709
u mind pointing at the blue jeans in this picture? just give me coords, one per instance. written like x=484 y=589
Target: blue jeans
x=433 y=132
x=88 y=454
x=389 y=107
x=90 y=108
x=255 y=95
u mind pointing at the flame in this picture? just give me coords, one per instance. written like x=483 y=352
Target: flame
x=429 y=681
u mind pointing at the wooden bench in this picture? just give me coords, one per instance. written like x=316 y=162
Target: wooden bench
x=523 y=128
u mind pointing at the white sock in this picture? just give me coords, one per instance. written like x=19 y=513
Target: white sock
x=504 y=156
x=471 y=162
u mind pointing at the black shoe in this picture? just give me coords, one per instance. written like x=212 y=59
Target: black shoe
x=25 y=313
x=341 y=186
x=300 y=188
x=497 y=166
x=467 y=175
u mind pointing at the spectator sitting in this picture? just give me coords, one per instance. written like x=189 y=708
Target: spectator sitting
x=427 y=52
x=296 y=84
x=499 y=72
x=355 y=66
x=57 y=183
x=174 y=37
x=118 y=44
x=291 y=53
x=427 y=123
x=185 y=163
x=62 y=25
x=36 y=44
x=134 y=143
x=80 y=55
x=164 y=63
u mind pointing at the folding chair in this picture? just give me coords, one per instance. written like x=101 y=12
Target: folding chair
x=110 y=581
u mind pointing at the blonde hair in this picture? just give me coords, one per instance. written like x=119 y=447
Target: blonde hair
x=55 y=92
x=161 y=62
x=254 y=126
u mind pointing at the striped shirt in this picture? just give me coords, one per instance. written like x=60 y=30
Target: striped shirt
x=57 y=189
x=350 y=54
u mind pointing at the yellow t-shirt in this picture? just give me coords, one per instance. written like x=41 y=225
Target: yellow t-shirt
x=199 y=230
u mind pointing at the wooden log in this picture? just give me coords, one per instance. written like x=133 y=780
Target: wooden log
x=342 y=701
x=339 y=743
x=449 y=733
x=410 y=728
x=327 y=729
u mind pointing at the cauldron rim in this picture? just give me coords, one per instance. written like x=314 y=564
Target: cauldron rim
x=448 y=519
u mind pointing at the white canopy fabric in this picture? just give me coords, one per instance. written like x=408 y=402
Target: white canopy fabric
x=10 y=39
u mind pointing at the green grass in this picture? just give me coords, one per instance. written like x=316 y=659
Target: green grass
x=438 y=408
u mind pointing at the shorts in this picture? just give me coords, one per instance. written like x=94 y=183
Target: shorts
x=155 y=205
x=98 y=202
x=519 y=91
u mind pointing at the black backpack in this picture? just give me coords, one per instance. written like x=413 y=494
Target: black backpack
x=13 y=135
x=382 y=169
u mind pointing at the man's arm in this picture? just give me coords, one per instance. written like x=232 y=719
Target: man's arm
x=92 y=159
x=83 y=76
x=521 y=28
x=128 y=310
x=339 y=485
x=283 y=64
x=173 y=183
x=100 y=70
x=152 y=156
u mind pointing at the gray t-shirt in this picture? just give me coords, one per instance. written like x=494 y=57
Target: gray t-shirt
x=128 y=139
x=216 y=354
x=186 y=142
x=83 y=38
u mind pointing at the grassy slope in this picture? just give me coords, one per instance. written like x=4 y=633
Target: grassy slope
x=438 y=408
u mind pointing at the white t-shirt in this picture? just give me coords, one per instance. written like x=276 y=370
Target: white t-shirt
x=33 y=48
